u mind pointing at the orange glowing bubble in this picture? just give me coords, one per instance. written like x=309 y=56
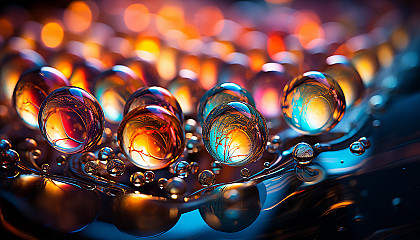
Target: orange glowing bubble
x=275 y=45
x=170 y=17
x=308 y=32
x=148 y=48
x=206 y=19
x=400 y=38
x=136 y=17
x=52 y=34
x=78 y=16
x=92 y=50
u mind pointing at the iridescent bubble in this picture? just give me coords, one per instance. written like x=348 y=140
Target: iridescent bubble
x=112 y=88
x=235 y=134
x=151 y=137
x=313 y=103
x=194 y=167
x=149 y=176
x=31 y=90
x=303 y=153
x=9 y=159
x=71 y=120
x=232 y=207
x=61 y=160
x=267 y=89
x=86 y=157
x=357 y=148
x=175 y=188
x=341 y=69
x=144 y=215
x=187 y=91
x=154 y=96
x=137 y=179
x=182 y=169
x=115 y=167
x=310 y=174
x=245 y=172
x=4 y=145
x=13 y=65
x=45 y=167
x=222 y=93
x=216 y=167
x=91 y=167
x=162 y=182
x=193 y=145
x=206 y=178
x=105 y=154
x=365 y=142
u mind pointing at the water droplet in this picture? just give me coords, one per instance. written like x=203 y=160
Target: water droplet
x=190 y=126
x=61 y=160
x=9 y=159
x=86 y=157
x=175 y=188
x=194 y=167
x=267 y=164
x=245 y=172
x=206 y=178
x=4 y=145
x=216 y=167
x=377 y=102
x=396 y=201
x=149 y=176
x=357 y=148
x=105 y=154
x=36 y=153
x=271 y=148
x=137 y=179
x=91 y=167
x=115 y=167
x=303 y=153
x=365 y=142
x=342 y=161
x=162 y=182
x=376 y=123
x=45 y=167
x=182 y=169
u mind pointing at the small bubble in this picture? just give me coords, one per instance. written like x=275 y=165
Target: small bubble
x=342 y=161
x=149 y=176
x=137 y=179
x=310 y=174
x=61 y=160
x=115 y=167
x=36 y=153
x=321 y=147
x=357 y=148
x=105 y=154
x=190 y=126
x=175 y=188
x=396 y=201
x=162 y=182
x=182 y=169
x=216 y=167
x=340 y=229
x=245 y=172
x=45 y=167
x=267 y=165
x=303 y=153
x=5 y=145
x=206 y=178
x=365 y=142
x=86 y=157
x=358 y=218
x=194 y=167
x=91 y=167
x=28 y=144
x=193 y=145
x=377 y=102
x=376 y=123
x=271 y=148
x=9 y=159
x=171 y=168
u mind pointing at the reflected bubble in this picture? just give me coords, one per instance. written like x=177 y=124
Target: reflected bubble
x=151 y=137
x=232 y=207
x=235 y=134
x=303 y=153
x=341 y=69
x=267 y=165
x=115 y=167
x=313 y=103
x=310 y=174
x=31 y=90
x=71 y=120
x=222 y=93
x=357 y=148
x=137 y=179
x=206 y=178
x=175 y=188
x=144 y=215
x=112 y=88
x=154 y=96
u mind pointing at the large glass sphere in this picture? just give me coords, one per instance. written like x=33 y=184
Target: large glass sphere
x=222 y=93
x=154 y=96
x=71 y=120
x=112 y=88
x=340 y=68
x=31 y=90
x=235 y=133
x=313 y=103
x=13 y=65
x=151 y=137
x=144 y=69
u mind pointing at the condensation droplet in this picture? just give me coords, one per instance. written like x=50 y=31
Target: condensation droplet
x=357 y=148
x=303 y=153
x=149 y=176
x=137 y=179
x=206 y=178
x=182 y=169
x=245 y=172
